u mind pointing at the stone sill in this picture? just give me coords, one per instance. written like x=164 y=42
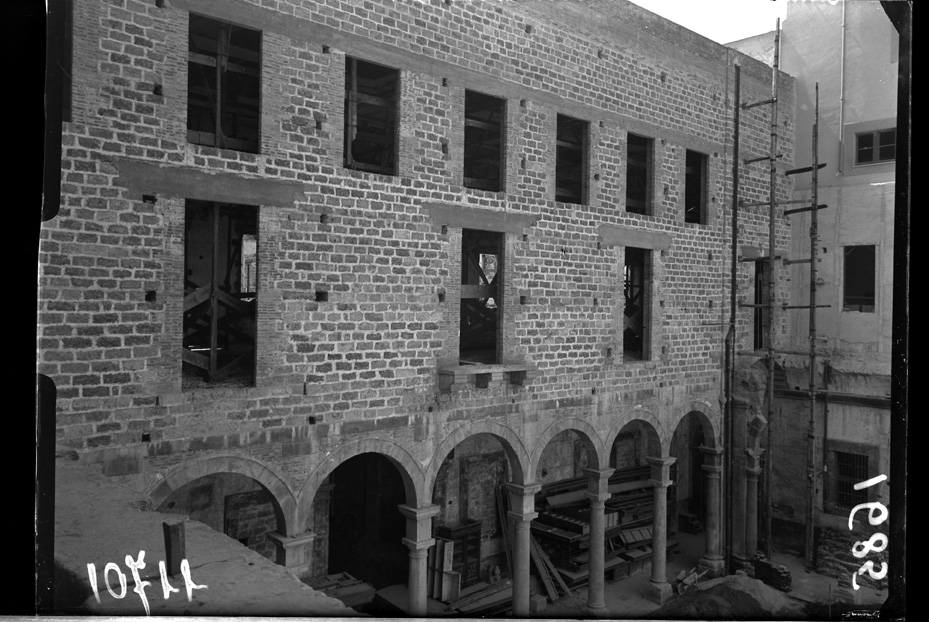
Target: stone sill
x=453 y=378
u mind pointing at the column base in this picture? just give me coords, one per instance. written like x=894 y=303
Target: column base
x=658 y=592
x=715 y=566
x=597 y=612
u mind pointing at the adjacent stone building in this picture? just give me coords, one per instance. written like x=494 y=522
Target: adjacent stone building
x=850 y=50
x=327 y=274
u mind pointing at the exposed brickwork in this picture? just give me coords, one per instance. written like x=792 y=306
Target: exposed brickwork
x=358 y=371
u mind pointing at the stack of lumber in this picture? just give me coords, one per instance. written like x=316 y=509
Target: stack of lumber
x=346 y=588
x=442 y=583
x=484 y=599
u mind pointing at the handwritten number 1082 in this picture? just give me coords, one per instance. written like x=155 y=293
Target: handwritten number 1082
x=877 y=514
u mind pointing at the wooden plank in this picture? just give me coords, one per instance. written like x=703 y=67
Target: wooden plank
x=488 y=589
x=437 y=571
x=554 y=572
x=451 y=586
x=541 y=570
x=430 y=570
x=504 y=527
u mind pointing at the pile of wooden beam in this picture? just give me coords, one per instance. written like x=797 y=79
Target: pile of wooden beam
x=442 y=583
x=483 y=599
x=343 y=586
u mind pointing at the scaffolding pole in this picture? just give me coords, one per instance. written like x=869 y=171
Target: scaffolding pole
x=771 y=285
x=811 y=431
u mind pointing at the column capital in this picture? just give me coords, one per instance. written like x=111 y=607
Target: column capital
x=598 y=481
x=661 y=471
x=419 y=513
x=418 y=547
x=712 y=456
x=661 y=462
x=598 y=473
x=713 y=470
x=598 y=498
x=523 y=489
x=289 y=542
x=522 y=499
x=522 y=517
x=753 y=460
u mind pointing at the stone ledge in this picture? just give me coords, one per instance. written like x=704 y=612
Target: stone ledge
x=453 y=378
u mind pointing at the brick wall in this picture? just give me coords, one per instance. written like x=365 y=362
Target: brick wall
x=363 y=364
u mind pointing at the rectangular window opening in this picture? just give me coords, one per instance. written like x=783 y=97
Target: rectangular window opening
x=220 y=294
x=371 y=95
x=571 y=160
x=695 y=188
x=876 y=147
x=223 y=85
x=636 y=310
x=639 y=174
x=483 y=136
x=859 y=289
x=850 y=469
x=481 y=288
x=760 y=340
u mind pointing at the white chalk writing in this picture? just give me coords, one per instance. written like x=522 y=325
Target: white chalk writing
x=140 y=584
x=877 y=514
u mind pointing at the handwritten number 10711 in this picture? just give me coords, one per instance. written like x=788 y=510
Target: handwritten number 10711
x=877 y=514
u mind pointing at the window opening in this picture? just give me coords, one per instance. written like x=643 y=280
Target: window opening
x=220 y=293
x=635 y=311
x=223 y=85
x=638 y=174
x=370 y=117
x=483 y=148
x=875 y=147
x=695 y=179
x=481 y=283
x=859 y=287
x=760 y=341
x=849 y=470
x=571 y=160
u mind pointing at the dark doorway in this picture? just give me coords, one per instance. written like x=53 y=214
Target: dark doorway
x=366 y=527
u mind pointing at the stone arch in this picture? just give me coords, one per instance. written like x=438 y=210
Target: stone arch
x=285 y=501
x=640 y=414
x=409 y=469
x=756 y=428
x=580 y=426
x=707 y=415
x=513 y=446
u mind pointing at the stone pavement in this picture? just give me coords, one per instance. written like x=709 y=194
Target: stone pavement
x=98 y=520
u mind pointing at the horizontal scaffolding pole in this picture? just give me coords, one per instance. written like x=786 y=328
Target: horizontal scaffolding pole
x=803 y=169
x=787 y=262
x=788 y=212
x=761 y=103
x=760 y=158
x=761 y=203
x=750 y=259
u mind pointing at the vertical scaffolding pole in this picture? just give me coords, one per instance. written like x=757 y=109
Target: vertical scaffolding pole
x=731 y=334
x=811 y=431
x=772 y=282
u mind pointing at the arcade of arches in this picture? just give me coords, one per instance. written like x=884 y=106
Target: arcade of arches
x=375 y=514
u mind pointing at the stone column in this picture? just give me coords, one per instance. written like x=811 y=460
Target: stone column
x=658 y=589
x=418 y=539
x=752 y=471
x=597 y=493
x=712 y=559
x=522 y=511
x=292 y=551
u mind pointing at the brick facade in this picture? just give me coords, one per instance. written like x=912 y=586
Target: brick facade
x=358 y=370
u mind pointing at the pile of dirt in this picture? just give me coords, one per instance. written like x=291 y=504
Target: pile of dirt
x=733 y=597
